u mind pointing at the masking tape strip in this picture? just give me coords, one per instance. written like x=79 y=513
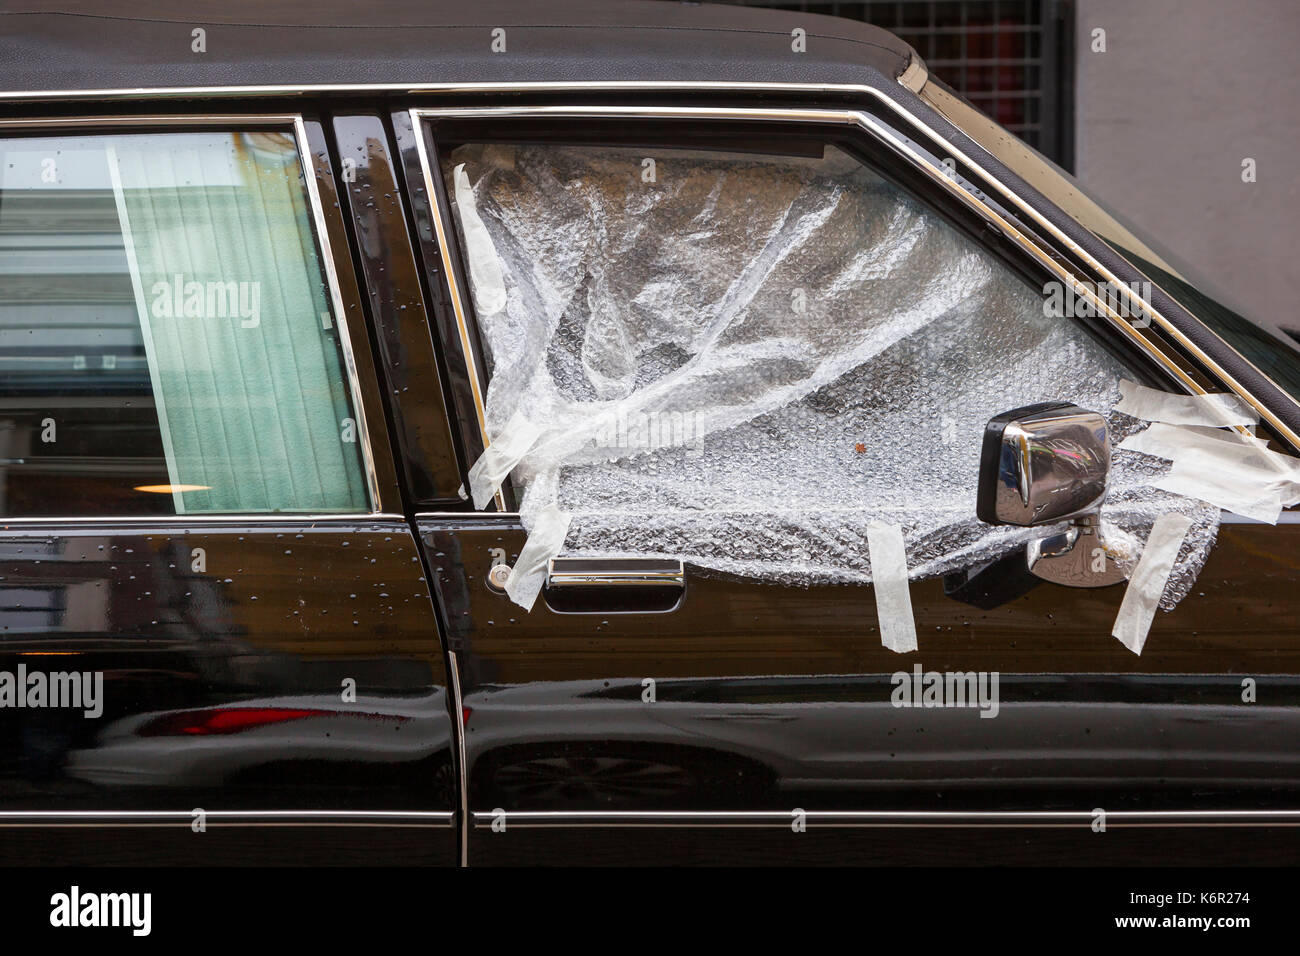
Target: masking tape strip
x=1147 y=583
x=499 y=458
x=485 y=280
x=889 y=578
x=506 y=449
x=1155 y=406
x=1172 y=441
x=1212 y=465
x=1229 y=435
x=1248 y=499
x=545 y=541
x=1249 y=478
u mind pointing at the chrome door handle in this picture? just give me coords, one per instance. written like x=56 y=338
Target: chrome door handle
x=614 y=585
x=615 y=573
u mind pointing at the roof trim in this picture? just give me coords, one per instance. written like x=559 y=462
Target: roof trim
x=45 y=46
x=416 y=88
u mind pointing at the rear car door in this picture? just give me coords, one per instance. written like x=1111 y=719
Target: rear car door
x=218 y=643
x=691 y=682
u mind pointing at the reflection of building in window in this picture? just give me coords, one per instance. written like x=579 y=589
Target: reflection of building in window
x=76 y=409
x=167 y=343
x=32 y=609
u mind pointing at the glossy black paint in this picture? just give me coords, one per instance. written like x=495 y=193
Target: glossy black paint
x=784 y=693
x=771 y=699
x=368 y=379
x=227 y=651
x=441 y=310
x=405 y=342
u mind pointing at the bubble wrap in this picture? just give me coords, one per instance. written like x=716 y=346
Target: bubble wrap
x=746 y=360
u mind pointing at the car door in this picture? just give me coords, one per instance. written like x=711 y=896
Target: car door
x=653 y=707
x=218 y=643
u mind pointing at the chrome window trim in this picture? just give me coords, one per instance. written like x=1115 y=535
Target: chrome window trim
x=441 y=227
x=435 y=818
x=455 y=515
x=520 y=819
x=1226 y=518
x=277 y=519
x=462 y=771
x=872 y=127
x=289 y=121
x=416 y=88
x=849 y=89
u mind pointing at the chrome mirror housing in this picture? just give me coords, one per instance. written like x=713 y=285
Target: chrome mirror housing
x=1043 y=464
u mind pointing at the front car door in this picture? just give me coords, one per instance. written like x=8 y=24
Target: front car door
x=727 y=711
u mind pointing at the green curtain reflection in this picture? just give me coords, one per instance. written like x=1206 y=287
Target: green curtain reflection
x=243 y=349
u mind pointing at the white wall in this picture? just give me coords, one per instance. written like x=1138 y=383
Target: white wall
x=1184 y=92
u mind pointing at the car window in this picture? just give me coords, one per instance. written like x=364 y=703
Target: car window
x=744 y=359
x=167 y=339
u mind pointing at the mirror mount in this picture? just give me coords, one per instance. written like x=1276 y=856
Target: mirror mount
x=1044 y=464
x=1076 y=558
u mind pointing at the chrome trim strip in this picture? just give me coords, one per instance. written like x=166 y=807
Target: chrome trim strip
x=462 y=771
x=883 y=818
x=445 y=515
x=442 y=818
x=1286 y=517
x=464 y=514
x=156 y=119
x=277 y=519
x=845 y=117
x=420 y=88
x=293 y=121
x=441 y=226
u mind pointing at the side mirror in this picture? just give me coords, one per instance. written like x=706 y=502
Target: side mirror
x=1043 y=464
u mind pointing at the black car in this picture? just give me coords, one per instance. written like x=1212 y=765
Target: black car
x=610 y=432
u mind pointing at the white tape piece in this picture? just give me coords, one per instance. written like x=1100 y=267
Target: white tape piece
x=1252 y=478
x=889 y=578
x=1231 y=435
x=1223 y=468
x=1248 y=499
x=545 y=541
x=1147 y=583
x=500 y=457
x=1221 y=409
x=485 y=280
x=1171 y=441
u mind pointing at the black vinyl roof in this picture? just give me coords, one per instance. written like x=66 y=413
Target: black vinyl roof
x=48 y=45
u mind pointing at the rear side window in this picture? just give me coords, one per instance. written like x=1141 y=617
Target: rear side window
x=167 y=340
